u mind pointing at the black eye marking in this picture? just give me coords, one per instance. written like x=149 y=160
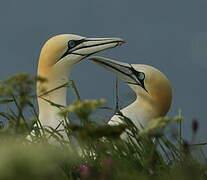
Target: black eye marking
x=141 y=76
x=74 y=43
x=71 y=44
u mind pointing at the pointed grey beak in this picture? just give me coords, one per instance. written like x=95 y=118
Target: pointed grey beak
x=88 y=46
x=94 y=45
x=124 y=71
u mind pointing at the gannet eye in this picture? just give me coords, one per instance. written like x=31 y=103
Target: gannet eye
x=141 y=76
x=71 y=44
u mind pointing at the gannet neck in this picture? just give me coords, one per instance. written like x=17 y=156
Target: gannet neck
x=140 y=112
x=48 y=114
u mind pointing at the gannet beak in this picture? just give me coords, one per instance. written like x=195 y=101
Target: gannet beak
x=124 y=71
x=89 y=46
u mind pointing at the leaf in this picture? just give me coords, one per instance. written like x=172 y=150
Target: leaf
x=6 y=101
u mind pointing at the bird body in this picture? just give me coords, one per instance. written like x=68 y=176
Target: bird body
x=152 y=88
x=57 y=58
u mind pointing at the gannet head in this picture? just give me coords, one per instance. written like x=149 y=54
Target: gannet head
x=150 y=85
x=58 y=55
x=63 y=51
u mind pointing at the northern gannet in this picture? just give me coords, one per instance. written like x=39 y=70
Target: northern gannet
x=57 y=58
x=152 y=88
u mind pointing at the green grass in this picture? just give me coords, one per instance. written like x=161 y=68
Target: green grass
x=91 y=150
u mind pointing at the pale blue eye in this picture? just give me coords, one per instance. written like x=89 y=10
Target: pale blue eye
x=141 y=76
x=71 y=44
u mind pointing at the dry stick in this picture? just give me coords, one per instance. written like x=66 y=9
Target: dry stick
x=199 y=144
x=61 y=86
x=180 y=133
x=55 y=130
x=75 y=90
x=38 y=123
x=52 y=103
x=117 y=95
x=67 y=84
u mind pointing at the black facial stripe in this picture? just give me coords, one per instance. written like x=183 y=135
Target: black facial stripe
x=84 y=40
x=120 y=64
x=136 y=84
x=73 y=43
x=131 y=83
x=65 y=54
x=77 y=54
x=95 y=45
x=97 y=39
x=136 y=73
x=86 y=55
x=139 y=82
x=77 y=42
x=119 y=71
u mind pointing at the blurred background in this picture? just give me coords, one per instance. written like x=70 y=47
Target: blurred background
x=170 y=35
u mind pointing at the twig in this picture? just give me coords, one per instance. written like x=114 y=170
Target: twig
x=199 y=144
x=117 y=95
x=61 y=86
x=75 y=90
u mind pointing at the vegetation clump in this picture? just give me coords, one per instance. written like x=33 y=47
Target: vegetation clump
x=92 y=150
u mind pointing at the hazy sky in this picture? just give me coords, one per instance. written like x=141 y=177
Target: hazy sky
x=170 y=35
